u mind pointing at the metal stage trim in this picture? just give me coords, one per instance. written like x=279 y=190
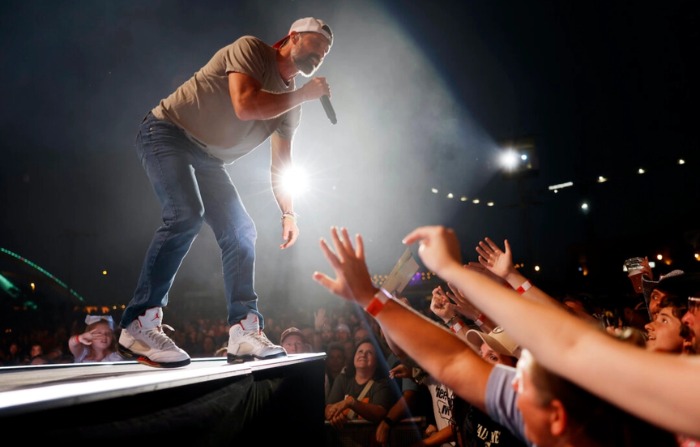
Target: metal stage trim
x=42 y=387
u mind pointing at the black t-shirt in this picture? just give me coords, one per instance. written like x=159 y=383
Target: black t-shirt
x=477 y=429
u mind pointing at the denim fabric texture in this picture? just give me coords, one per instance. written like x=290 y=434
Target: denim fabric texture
x=193 y=187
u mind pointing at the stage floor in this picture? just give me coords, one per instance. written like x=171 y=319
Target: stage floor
x=42 y=387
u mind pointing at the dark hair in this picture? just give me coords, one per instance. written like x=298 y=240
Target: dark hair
x=679 y=305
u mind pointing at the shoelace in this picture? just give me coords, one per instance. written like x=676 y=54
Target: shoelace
x=159 y=339
x=260 y=337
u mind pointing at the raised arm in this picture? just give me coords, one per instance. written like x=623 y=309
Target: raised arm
x=661 y=389
x=441 y=353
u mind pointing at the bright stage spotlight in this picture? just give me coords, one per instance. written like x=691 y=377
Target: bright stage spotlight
x=518 y=156
x=295 y=181
x=509 y=160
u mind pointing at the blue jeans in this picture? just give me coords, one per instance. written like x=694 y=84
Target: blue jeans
x=193 y=187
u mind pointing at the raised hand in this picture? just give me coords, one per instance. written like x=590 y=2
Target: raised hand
x=495 y=260
x=440 y=304
x=353 y=281
x=438 y=247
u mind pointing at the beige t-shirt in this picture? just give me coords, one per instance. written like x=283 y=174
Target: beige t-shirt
x=202 y=105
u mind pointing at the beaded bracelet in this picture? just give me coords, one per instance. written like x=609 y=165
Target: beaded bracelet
x=289 y=215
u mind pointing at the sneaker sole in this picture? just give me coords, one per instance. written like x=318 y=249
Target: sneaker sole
x=129 y=354
x=237 y=359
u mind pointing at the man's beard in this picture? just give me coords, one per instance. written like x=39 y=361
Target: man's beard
x=305 y=65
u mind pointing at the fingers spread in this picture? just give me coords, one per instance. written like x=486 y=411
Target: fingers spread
x=328 y=253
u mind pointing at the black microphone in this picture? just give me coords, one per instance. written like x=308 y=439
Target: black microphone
x=328 y=107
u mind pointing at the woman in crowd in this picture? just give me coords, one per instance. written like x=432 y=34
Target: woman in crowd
x=360 y=391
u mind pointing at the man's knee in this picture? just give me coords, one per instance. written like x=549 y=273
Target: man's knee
x=187 y=221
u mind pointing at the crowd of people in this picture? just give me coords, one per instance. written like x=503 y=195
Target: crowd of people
x=486 y=379
x=578 y=380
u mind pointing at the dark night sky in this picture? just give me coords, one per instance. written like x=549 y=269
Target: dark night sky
x=424 y=92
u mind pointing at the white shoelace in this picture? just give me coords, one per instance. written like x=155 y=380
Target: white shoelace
x=260 y=337
x=159 y=339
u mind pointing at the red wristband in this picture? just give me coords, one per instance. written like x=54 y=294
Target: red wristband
x=77 y=338
x=479 y=320
x=378 y=301
x=457 y=326
x=524 y=287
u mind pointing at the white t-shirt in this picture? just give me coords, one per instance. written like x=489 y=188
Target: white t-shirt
x=443 y=398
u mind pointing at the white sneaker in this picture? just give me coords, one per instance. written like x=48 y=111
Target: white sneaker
x=144 y=341
x=250 y=343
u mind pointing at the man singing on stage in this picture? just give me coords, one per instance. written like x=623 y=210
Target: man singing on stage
x=243 y=95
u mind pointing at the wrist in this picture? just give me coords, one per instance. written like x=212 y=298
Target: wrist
x=378 y=301
x=451 y=272
x=349 y=401
x=289 y=215
x=513 y=276
x=451 y=320
x=303 y=95
x=515 y=279
x=524 y=287
x=456 y=325
x=388 y=421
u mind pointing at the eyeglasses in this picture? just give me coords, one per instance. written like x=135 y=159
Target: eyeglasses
x=693 y=303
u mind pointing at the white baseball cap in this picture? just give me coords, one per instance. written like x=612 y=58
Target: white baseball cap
x=308 y=25
x=497 y=340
